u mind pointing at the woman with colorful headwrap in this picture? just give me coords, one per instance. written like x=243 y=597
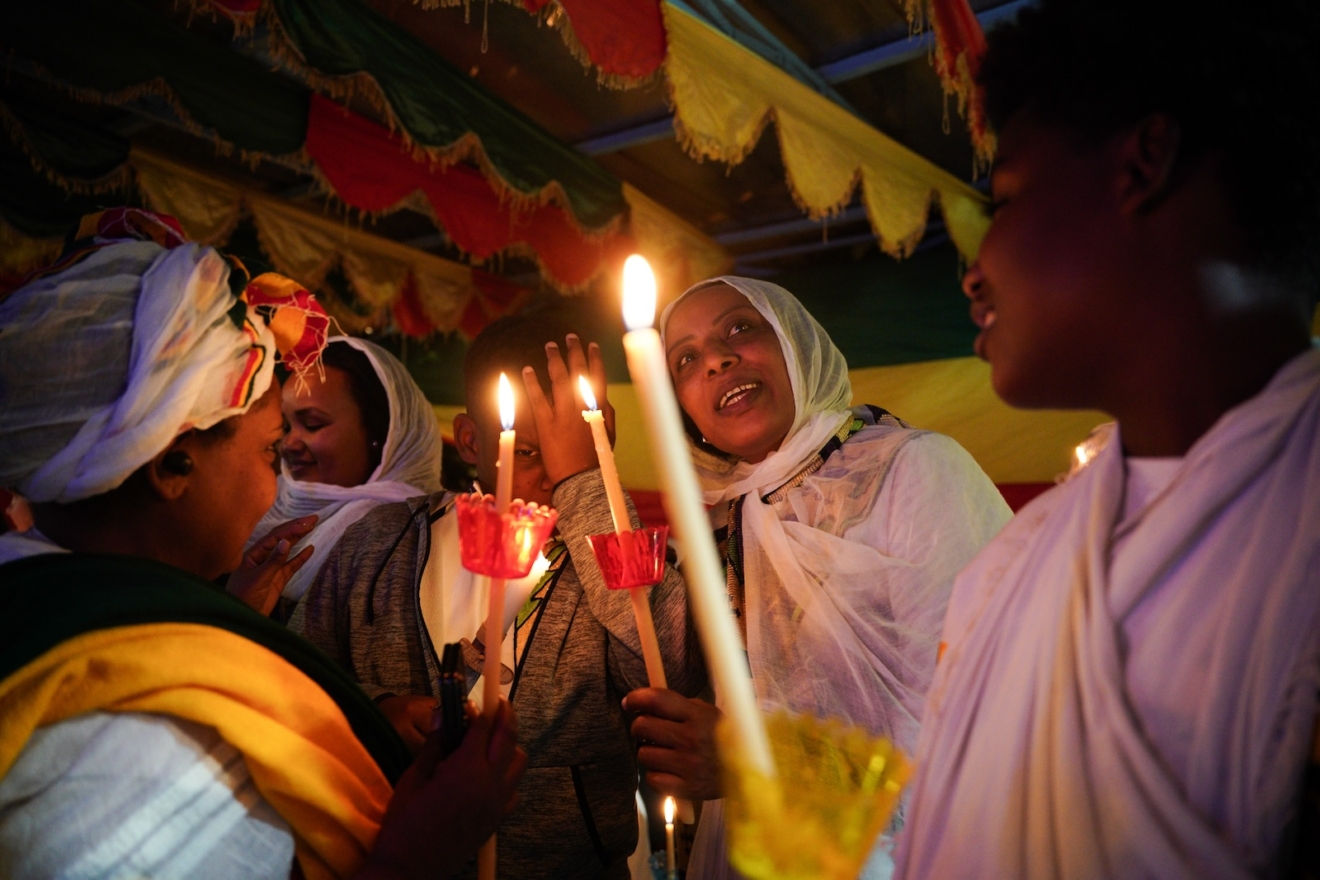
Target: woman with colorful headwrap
x=842 y=530
x=360 y=434
x=149 y=724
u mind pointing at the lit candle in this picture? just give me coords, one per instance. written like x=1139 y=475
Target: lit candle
x=707 y=589
x=669 y=838
x=609 y=472
x=490 y=694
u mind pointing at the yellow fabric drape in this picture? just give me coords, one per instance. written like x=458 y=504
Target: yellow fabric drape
x=305 y=246
x=680 y=254
x=299 y=748
x=724 y=95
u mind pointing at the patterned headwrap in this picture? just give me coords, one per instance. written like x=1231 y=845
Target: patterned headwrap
x=132 y=337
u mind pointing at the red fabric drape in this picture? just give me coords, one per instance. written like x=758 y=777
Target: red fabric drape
x=959 y=47
x=371 y=169
x=623 y=38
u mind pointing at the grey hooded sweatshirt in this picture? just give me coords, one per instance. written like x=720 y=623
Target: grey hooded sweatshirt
x=577 y=815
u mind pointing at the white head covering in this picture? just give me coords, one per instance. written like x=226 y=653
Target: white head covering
x=103 y=364
x=821 y=391
x=822 y=637
x=409 y=466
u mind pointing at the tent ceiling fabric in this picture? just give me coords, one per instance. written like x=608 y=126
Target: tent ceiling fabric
x=206 y=105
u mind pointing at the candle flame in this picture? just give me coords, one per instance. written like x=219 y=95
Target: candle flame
x=506 y=403
x=1082 y=454
x=638 y=293
x=669 y=811
x=584 y=387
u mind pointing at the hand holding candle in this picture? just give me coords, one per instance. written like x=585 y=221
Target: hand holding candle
x=707 y=589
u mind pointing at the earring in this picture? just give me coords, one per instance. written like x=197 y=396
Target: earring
x=177 y=463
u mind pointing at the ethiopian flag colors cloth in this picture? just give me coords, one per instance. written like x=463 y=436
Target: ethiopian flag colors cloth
x=84 y=633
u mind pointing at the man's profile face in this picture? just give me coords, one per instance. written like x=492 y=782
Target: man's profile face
x=1045 y=287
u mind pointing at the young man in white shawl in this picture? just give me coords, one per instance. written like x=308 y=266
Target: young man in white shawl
x=1129 y=687
x=843 y=530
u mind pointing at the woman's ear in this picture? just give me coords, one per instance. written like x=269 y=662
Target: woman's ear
x=169 y=471
x=466 y=438
x=1148 y=155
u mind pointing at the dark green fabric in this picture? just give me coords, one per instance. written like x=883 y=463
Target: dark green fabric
x=112 y=45
x=72 y=148
x=883 y=311
x=438 y=104
x=34 y=206
x=47 y=600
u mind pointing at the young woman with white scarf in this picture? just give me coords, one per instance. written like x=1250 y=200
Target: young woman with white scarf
x=384 y=446
x=842 y=532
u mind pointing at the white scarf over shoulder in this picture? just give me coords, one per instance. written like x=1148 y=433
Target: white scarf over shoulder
x=1034 y=759
x=847 y=578
x=409 y=466
x=838 y=625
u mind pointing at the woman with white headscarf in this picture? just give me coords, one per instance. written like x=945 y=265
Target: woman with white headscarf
x=360 y=434
x=842 y=532
x=151 y=726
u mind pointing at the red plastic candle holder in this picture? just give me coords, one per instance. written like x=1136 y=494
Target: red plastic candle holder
x=501 y=545
x=638 y=560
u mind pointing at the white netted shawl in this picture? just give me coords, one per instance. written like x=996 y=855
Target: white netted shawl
x=847 y=578
x=103 y=364
x=409 y=466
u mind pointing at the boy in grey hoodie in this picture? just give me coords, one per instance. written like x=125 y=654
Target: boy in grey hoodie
x=393 y=592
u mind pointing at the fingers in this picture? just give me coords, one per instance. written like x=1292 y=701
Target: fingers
x=542 y=412
x=554 y=365
x=658 y=702
x=291 y=531
x=577 y=358
x=660 y=732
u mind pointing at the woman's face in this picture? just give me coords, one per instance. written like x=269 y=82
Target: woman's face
x=327 y=442
x=729 y=372
x=231 y=487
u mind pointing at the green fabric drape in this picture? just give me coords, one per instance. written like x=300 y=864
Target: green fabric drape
x=118 y=50
x=438 y=105
x=47 y=600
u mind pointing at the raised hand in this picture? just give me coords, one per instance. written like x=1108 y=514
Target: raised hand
x=266 y=566
x=565 y=439
x=443 y=810
x=677 y=738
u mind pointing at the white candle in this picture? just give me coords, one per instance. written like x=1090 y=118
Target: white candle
x=490 y=694
x=609 y=472
x=707 y=589
x=669 y=837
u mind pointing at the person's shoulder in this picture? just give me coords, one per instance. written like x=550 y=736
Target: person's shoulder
x=383 y=523
x=886 y=445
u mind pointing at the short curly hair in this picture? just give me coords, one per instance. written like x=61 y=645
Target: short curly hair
x=1241 y=79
